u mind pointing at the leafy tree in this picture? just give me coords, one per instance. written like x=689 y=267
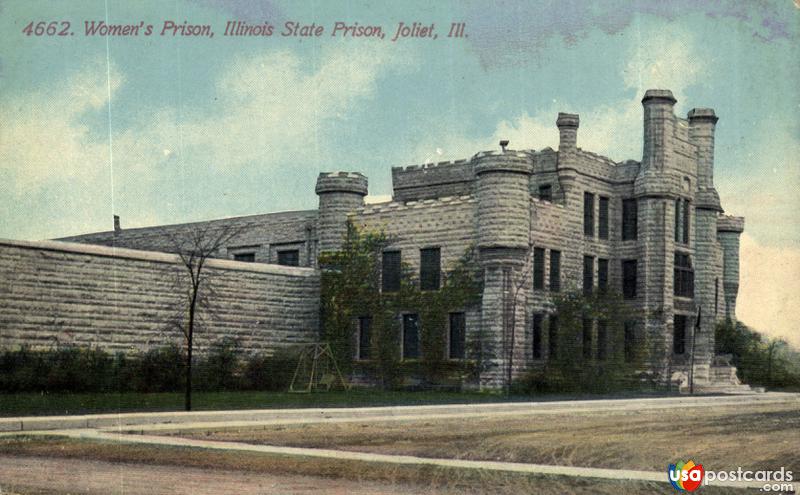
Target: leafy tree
x=759 y=360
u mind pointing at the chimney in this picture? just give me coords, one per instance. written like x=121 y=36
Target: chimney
x=567 y=131
x=117 y=228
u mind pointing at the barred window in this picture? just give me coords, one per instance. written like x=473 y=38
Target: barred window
x=458 y=334
x=630 y=340
x=602 y=218
x=586 y=324
x=588 y=214
x=602 y=339
x=683 y=280
x=364 y=337
x=552 y=337
x=679 y=334
x=537 y=336
x=246 y=257
x=629 y=282
x=538 y=268
x=602 y=275
x=390 y=271
x=630 y=218
x=430 y=267
x=546 y=192
x=555 y=270
x=410 y=336
x=290 y=257
x=588 y=275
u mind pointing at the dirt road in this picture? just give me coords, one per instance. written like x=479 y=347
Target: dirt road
x=72 y=476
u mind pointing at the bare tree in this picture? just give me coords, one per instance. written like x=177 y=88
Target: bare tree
x=510 y=311
x=195 y=247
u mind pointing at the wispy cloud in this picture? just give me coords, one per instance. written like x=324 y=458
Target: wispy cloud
x=509 y=33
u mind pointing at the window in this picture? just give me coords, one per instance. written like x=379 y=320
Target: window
x=552 y=337
x=602 y=339
x=629 y=268
x=630 y=218
x=683 y=276
x=246 y=257
x=546 y=192
x=537 y=336
x=588 y=275
x=679 y=334
x=410 y=336
x=588 y=214
x=430 y=268
x=390 y=271
x=682 y=220
x=290 y=257
x=630 y=340
x=364 y=337
x=602 y=275
x=555 y=270
x=538 y=268
x=586 y=324
x=686 y=211
x=602 y=218
x=458 y=336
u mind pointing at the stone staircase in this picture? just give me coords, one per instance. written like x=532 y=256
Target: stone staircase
x=717 y=377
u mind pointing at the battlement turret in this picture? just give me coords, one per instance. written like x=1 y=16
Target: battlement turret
x=340 y=193
x=503 y=202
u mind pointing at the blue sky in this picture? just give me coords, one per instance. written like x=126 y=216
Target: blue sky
x=163 y=130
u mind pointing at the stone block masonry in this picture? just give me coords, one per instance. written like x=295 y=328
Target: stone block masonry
x=56 y=293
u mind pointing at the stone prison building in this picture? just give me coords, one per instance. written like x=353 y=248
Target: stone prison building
x=652 y=230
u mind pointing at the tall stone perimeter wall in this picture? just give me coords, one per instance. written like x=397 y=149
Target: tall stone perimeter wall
x=55 y=293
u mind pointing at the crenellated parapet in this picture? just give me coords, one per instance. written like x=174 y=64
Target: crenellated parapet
x=432 y=180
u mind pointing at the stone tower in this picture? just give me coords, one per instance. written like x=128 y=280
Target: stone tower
x=656 y=188
x=504 y=240
x=340 y=193
x=728 y=231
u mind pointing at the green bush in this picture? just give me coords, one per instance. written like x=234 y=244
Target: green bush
x=272 y=373
x=160 y=370
x=220 y=369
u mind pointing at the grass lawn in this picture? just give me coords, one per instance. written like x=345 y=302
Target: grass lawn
x=35 y=404
x=757 y=436
x=438 y=479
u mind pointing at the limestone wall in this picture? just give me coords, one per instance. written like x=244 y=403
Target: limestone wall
x=57 y=293
x=261 y=235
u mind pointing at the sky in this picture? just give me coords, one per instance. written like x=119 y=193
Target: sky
x=166 y=129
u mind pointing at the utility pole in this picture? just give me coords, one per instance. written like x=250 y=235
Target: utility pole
x=694 y=341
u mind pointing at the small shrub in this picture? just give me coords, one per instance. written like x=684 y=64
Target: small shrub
x=220 y=369
x=272 y=373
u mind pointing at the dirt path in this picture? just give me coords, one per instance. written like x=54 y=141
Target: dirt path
x=73 y=476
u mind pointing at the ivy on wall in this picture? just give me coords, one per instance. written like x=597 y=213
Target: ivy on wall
x=606 y=359
x=351 y=288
